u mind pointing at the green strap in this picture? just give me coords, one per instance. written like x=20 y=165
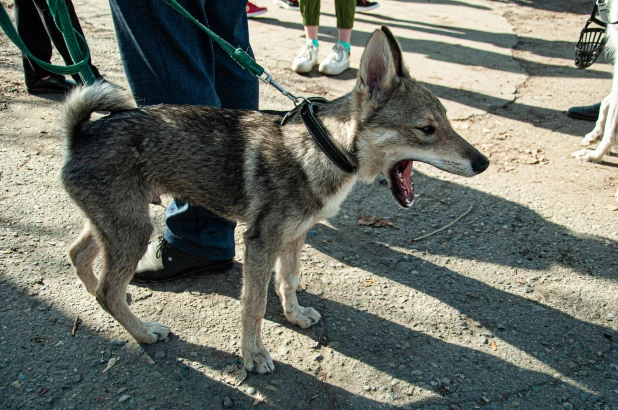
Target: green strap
x=237 y=54
x=78 y=48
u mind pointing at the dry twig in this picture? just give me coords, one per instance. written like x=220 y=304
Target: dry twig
x=75 y=324
x=445 y=227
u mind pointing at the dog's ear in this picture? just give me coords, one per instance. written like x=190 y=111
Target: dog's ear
x=395 y=52
x=381 y=63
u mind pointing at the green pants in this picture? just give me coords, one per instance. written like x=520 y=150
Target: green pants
x=344 y=10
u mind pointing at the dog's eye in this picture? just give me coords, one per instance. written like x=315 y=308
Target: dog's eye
x=428 y=129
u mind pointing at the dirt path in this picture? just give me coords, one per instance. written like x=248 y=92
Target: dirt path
x=516 y=306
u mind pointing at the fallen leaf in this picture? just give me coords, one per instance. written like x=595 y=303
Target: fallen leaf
x=493 y=345
x=373 y=221
x=110 y=364
x=610 y=207
x=541 y=295
x=257 y=399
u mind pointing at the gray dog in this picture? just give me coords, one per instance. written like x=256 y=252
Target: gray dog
x=245 y=166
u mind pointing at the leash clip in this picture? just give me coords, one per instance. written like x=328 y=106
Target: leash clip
x=266 y=78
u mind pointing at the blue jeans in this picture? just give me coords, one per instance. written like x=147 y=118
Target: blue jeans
x=169 y=60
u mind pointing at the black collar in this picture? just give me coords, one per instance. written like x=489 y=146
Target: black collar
x=318 y=132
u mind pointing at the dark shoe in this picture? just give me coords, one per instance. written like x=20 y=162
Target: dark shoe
x=56 y=84
x=163 y=262
x=363 y=6
x=586 y=112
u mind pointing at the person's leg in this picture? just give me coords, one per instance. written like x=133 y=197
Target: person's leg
x=56 y=36
x=307 y=58
x=339 y=59
x=236 y=87
x=344 y=10
x=32 y=32
x=310 y=10
x=169 y=60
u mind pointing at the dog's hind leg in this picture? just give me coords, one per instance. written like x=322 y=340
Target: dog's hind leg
x=124 y=240
x=287 y=269
x=260 y=258
x=82 y=254
x=597 y=132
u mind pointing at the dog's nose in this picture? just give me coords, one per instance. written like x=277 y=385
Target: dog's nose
x=480 y=164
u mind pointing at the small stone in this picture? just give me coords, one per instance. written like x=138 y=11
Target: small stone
x=193 y=339
x=567 y=406
x=118 y=342
x=124 y=398
x=283 y=351
x=77 y=378
x=501 y=325
x=318 y=357
x=160 y=354
x=133 y=402
x=402 y=366
x=483 y=340
x=367 y=388
x=22 y=377
x=445 y=380
x=228 y=402
x=528 y=289
x=16 y=384
x=251 y=391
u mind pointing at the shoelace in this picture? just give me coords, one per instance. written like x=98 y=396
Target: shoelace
x=338 y=50
x=162 y=247
x=306 y=51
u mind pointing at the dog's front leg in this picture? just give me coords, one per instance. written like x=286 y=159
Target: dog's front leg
x=287 y=269
x=597 y=132
x=609 y=134
x=259 y=261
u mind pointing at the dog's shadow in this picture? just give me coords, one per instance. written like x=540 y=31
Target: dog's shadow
x=511 y=236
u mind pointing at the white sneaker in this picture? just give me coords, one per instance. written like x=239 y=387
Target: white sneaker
x=306 y=59
x=336 y=62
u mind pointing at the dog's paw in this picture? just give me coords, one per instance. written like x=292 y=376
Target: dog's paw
x=153 y=331
x=303 y=317
x=590 y=138
x=258 y=360
x=584 y=155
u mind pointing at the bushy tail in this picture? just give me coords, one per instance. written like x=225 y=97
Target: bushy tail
x=84 y=100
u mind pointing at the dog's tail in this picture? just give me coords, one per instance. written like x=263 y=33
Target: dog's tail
x=84 y=100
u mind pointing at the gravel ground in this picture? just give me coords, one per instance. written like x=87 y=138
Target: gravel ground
x=515 y=306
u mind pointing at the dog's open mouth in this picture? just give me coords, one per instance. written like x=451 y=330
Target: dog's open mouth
x=402 y=185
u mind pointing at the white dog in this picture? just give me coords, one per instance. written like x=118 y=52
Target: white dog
x=607 y=124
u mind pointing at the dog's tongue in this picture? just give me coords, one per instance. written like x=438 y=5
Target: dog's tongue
x=404 y=180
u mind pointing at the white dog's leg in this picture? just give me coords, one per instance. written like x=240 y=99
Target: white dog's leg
x=597 y=132
x=287 y=269
x=609 y=130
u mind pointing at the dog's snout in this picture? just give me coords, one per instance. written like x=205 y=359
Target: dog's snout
x=480 y=164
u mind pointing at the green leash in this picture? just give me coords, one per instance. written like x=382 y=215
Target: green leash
x=237 y=54
x=78 y=48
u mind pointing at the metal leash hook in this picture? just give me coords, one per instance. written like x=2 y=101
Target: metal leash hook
x=267 y=79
